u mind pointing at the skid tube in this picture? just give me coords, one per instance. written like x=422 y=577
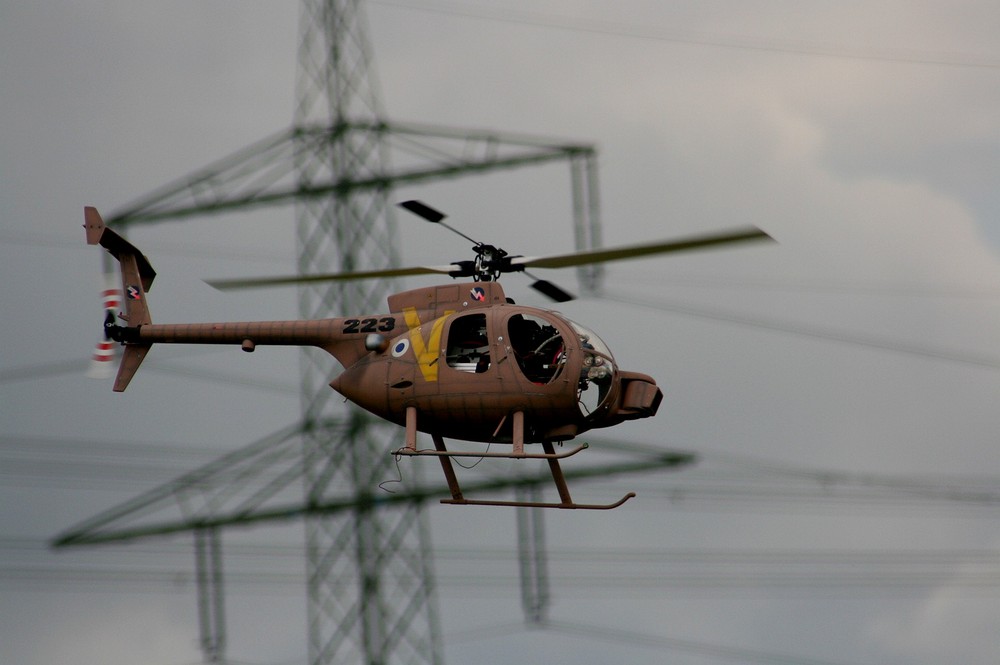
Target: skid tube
x=511 y=455
x=457 y=499
x=541 y=504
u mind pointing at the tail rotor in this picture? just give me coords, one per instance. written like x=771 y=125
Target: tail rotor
x=102 y=362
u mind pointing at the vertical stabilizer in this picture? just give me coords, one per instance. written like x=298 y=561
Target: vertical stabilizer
x=131 y=359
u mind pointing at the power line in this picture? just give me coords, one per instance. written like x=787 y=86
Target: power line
x=598 y=572
x=657 y=33
x=873 y=288
x=725 y=482
x=229 y=253
x=712 y=650
x=268 y=553
x=809 y=330
x=78 y=367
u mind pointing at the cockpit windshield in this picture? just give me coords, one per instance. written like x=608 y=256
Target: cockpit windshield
x=597 y=373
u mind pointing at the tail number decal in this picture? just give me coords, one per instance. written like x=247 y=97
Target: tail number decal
x=384 y=324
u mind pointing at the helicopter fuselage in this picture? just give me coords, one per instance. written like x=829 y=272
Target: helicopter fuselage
x=463 y=356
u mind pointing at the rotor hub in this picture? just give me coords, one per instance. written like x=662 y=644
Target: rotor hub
x=490 y=263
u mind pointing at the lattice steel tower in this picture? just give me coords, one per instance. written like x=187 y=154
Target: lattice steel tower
x=367 y=598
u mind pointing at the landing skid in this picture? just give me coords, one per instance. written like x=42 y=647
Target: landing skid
x=511 y=455
x=550 y=455
x=541 y=504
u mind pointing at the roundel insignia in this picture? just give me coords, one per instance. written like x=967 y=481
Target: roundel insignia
x=400 y=347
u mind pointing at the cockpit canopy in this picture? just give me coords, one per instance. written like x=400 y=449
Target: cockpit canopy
x=544 y=347
x=541 y=353
x=597 y=375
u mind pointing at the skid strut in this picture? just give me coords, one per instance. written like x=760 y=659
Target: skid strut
x=550 y=455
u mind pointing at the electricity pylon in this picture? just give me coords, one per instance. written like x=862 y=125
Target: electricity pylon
x=384 y=619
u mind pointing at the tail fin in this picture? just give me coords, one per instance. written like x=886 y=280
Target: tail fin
x=137 y=277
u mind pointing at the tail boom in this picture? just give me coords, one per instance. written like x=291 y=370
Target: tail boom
x=340 y=337
x=321 y=333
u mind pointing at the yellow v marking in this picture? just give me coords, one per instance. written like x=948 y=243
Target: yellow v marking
x=426 y=353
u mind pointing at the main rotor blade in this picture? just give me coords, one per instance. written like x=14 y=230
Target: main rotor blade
x=263 y=282
x=733 y=236
x=421 y=209
x=433 y=216
x=552 y=291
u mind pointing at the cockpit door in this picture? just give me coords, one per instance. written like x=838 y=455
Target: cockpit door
x=468 y=345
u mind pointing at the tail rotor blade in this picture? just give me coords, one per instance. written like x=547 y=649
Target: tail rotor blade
x=102 y=361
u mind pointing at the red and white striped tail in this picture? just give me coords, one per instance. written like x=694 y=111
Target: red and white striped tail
x=102 y=363
x=111 y=296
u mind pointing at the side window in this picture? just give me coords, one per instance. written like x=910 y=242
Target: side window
x=538 y=347
x=468 y=346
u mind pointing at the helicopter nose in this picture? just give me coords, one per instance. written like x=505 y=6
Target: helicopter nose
x=641 y=396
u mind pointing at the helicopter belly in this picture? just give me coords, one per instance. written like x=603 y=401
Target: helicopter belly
x=488 y=417
x=482 y=413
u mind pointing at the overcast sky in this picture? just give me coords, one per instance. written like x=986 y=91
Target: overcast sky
x=863 y=136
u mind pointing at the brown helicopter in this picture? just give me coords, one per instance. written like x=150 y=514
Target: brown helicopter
x=459 y=360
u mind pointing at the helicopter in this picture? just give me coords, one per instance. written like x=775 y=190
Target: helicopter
x=459 y=360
